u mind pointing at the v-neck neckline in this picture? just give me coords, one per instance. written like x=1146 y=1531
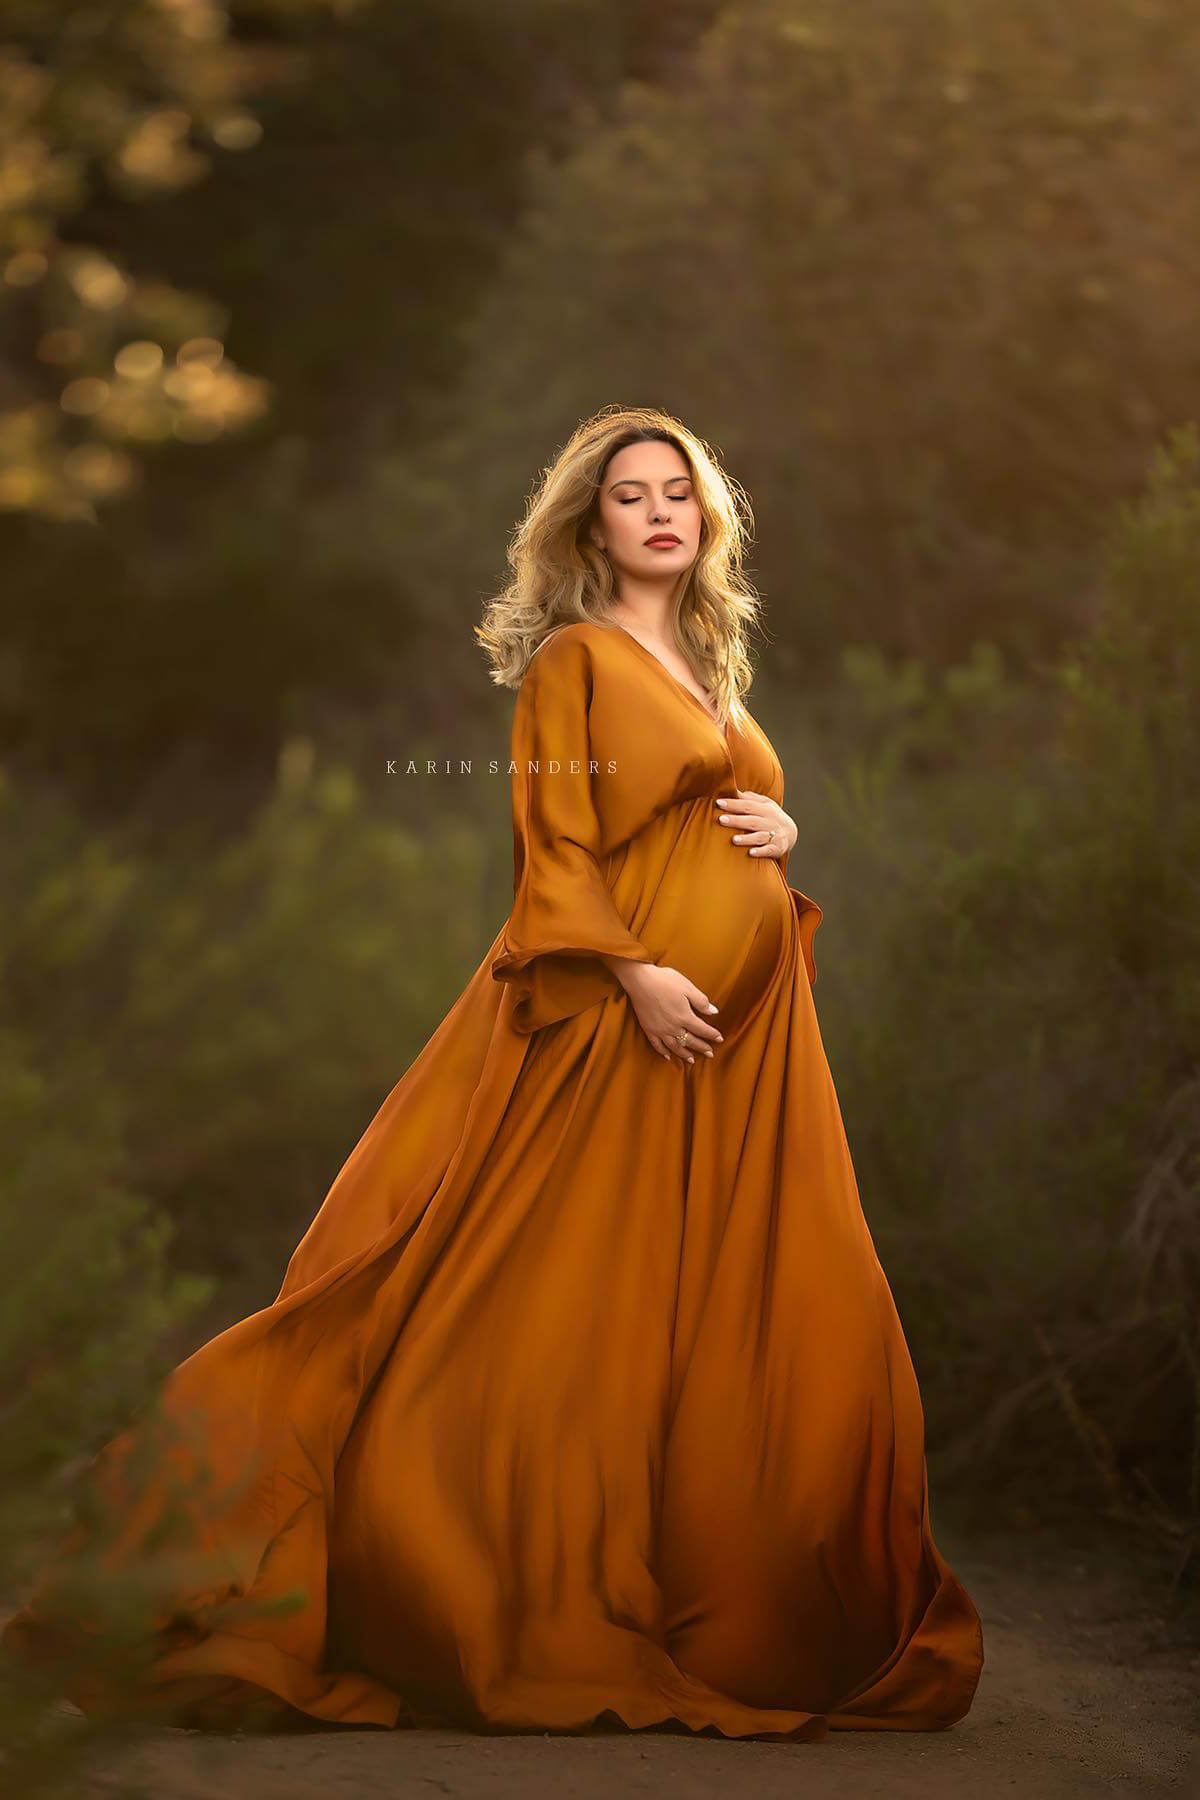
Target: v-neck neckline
x=722 y=733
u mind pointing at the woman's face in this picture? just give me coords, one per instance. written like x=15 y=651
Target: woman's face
x=647 y=494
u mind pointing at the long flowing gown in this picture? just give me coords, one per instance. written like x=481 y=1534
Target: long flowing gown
x=584 y=1399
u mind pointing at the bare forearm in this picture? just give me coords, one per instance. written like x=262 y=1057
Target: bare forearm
x=623 y=968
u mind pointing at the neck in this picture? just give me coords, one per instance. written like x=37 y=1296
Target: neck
x=646 y=608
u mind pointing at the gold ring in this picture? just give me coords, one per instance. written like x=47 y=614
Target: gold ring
x=683 y=1037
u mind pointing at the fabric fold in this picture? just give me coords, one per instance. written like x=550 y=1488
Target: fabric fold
x=808 y=915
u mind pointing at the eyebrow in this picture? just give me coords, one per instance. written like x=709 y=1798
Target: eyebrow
x=629 y=482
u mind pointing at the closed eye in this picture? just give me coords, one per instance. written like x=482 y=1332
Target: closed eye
x=677 y=498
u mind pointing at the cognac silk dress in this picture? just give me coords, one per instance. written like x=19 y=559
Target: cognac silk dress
x=584 y=1399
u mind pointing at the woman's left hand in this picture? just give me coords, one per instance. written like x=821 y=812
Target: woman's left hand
x=753 y=817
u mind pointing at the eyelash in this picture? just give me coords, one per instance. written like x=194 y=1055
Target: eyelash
x=634 y=497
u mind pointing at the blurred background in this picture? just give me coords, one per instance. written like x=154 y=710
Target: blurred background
x=297 y=298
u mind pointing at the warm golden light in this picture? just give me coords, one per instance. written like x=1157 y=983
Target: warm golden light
x=139 y=360
x=25 y=268
x=237 y=131
x=97 y=281
x=87 y=395
x=200 y=350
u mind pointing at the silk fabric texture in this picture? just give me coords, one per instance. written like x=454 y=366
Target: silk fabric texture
x=584 y=1399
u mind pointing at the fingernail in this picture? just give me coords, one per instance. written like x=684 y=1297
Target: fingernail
x=713 y=1008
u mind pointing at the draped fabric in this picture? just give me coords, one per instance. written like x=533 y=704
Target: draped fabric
x=584 y=1397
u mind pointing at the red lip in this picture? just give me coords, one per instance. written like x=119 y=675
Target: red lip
x=664 y=537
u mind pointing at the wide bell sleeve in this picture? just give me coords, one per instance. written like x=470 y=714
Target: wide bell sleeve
x=563 y=918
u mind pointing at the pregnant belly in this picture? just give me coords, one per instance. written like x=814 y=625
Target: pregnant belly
x=721 y=917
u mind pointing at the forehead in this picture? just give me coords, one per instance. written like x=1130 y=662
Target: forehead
x=647 y=462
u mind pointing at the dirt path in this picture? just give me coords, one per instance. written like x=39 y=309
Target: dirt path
x=1089 y=1689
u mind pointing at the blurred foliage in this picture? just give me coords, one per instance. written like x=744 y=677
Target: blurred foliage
x=925 y=275
x=239 y=591
x=105 y=361
x=84 y=1337
x=249 y=1003
x=1015 y=1026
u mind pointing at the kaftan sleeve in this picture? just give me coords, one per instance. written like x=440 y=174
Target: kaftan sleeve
x=563 y=918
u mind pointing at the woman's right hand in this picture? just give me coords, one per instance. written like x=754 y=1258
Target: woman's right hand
x=666 y=1003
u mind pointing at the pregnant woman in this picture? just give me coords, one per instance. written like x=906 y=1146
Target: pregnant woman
x=585 y=1399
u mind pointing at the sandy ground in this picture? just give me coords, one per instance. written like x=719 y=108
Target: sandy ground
x=1091 y=1687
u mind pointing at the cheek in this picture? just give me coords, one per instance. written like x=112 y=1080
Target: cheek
x=627 y=529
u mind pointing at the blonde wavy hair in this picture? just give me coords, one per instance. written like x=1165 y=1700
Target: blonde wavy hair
x=559 y=577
